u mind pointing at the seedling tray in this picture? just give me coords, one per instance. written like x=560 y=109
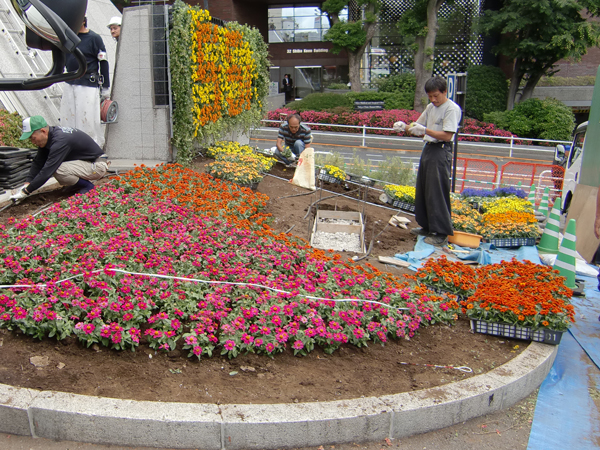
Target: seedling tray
x=515 y=332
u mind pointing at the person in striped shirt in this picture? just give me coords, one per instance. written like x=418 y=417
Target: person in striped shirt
x=295 y=135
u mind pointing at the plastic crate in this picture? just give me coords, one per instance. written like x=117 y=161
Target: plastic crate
x=511 y=242
x=365 y=181
x=515 y=332
x=253 y=186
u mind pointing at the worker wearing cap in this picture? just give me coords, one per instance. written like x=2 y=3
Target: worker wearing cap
x=68 y=154
x=115 y=27
x=80 y=105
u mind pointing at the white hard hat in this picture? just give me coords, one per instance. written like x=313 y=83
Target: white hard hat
x=114 y=21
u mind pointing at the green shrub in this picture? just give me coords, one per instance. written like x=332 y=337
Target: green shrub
x=487 y=91
x=333 y=159
x=10 y=130
x=397 y=83
x=403 y=86
x=537 y=119
x=394 y=171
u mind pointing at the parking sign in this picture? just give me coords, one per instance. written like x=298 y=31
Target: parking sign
x=451 y=81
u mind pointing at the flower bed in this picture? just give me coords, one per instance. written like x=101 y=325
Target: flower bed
x=385 y=119
x=504 y=220
x=402 y=197
x=175 y=258
x=513 y=295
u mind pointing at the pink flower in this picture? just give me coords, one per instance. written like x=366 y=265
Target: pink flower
x=89 y=328
x=298 y=345
x=229 y=345
x=197 y=350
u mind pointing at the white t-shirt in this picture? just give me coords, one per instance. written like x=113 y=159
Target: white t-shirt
x=445 y=117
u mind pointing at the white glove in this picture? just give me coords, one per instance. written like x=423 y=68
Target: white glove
x=19 y=195
x=399 y=127
x=416 y=129
x=104 y=93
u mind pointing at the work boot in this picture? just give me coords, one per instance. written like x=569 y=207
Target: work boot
x=419 y=232
x=84 y=186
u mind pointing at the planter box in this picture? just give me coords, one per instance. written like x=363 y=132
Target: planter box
x=355 y=227
x=465 y=239
x=515 y=332
x=323 y=176
x=511 y=242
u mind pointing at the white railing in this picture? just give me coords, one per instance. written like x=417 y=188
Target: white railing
x=364 y=136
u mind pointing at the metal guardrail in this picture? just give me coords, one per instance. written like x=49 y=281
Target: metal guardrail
x=364 y=136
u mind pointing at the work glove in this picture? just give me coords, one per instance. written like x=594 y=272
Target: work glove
x=19 y=195
x=416 y=129
x=399 y=127
x=104 y=93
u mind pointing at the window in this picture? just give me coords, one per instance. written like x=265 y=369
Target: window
x=299 y=23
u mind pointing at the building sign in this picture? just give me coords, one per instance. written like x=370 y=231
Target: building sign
x=307 y=50
x=273 y=88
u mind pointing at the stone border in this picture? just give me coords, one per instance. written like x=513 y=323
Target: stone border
x=72 y=417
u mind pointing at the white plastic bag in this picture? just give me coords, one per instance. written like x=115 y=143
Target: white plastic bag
x=305 y=171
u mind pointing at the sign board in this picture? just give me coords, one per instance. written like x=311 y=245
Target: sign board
x=364 y=106
x=451 y=81
x=273 y=88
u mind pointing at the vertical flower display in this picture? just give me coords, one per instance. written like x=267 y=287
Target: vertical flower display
x=220 y=77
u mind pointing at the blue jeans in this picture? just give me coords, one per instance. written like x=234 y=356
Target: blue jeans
x=298 y=147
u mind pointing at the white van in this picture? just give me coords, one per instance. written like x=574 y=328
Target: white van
x=571 y=161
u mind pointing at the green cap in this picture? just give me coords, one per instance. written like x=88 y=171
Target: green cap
x=32 y=124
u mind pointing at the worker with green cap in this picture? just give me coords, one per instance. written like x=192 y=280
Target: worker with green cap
x=68 y=154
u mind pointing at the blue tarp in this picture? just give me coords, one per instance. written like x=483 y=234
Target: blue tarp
x=484 y=254
x=566 y=416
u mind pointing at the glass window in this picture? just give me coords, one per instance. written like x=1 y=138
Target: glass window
x=299 y=23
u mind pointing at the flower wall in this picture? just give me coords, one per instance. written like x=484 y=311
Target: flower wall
x=219 y=77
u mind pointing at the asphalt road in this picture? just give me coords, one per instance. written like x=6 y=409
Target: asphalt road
x=378 y=148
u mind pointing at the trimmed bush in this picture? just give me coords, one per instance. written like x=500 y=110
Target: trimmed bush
x=336 y=103
x=321 y=102
x=403 y=85
x=487 y=91
x=537 y=119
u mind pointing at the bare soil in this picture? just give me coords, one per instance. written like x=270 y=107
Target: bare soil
x=350 y=372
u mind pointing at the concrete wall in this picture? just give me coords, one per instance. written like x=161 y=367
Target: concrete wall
x=142 y=131
x=578 y=97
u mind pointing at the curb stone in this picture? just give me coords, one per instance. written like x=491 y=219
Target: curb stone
x=73 y=417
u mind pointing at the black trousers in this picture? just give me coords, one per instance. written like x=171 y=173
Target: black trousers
x=432 y=197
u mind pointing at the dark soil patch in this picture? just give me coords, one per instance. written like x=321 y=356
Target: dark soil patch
x=349 y=373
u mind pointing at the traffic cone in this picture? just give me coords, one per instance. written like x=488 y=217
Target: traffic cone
x=565 y=260
x=543 y=208
x=531 y=196
x=549 y=241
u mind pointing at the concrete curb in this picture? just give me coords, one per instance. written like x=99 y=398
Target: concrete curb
x=62 y=416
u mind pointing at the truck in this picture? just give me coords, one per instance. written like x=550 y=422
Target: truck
x=571 y=157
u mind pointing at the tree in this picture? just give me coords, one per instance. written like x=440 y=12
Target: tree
x=421 y=24
x=354 y=34
x=536 y=34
